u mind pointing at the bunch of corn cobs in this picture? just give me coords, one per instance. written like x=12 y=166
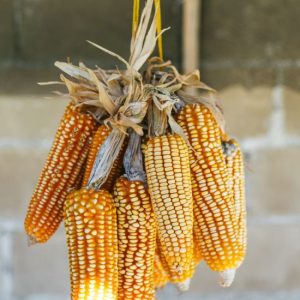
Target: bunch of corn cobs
x=145 y=178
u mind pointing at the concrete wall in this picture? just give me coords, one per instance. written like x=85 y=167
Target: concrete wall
x=250 y=53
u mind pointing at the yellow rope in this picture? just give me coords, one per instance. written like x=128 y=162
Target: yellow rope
x=135 y=16
x=159 y=27
x=135 y=22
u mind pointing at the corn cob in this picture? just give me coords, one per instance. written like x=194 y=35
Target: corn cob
x=98 y=139
x=214 y=212
x=91 y=228
x=161 y=276
x=197 y=252
x=59 y=174
x=235 y=168
x=166 y=276
x=168 y=173
x=162 y=259
x=197 y=257
x=137 y=236
x=162 y=271
x=79 y=180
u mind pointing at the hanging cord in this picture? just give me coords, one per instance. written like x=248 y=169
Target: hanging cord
x=135 y=22
x=135 y=16
x=159 y=28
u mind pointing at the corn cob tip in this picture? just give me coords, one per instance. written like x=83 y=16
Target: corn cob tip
x=226 y=278
x=31 y=240
x=184 y=286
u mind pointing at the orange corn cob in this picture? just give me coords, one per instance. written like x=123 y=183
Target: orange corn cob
x=161 y=277
x=78 y=183
x=214 y=212
x=235 y=168
x=63 y=166
x=197 y=252
x=137 y=236
x=91 y=228
x=98 y=139
x=169 y=180
x=163 y=261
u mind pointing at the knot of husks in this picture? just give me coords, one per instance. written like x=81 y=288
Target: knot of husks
x=129 y=116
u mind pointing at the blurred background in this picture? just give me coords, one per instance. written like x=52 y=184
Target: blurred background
x=248 y=50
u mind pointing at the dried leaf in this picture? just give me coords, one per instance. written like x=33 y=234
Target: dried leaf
x=106 y=101
x=120 y=58
x=106 y=156
x=72 y=70
x=50 y=83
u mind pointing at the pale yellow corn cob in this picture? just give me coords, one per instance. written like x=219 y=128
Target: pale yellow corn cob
x=169 y=180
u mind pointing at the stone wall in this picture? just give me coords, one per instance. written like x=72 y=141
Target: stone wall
x=250 y=53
